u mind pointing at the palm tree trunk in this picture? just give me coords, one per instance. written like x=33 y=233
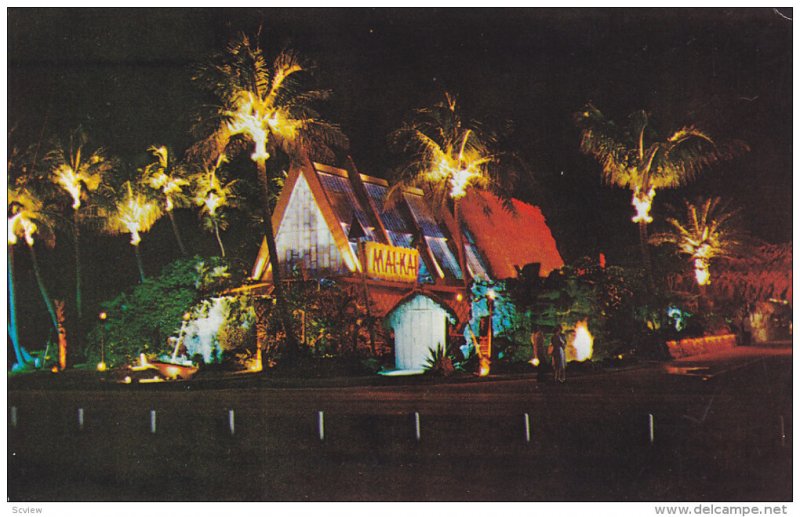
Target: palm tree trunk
x=13 y=329
x=219 y=239
x=43 y=290
x=78 y=294
x=292 y=348
x=648 y=268
x=177 y=233
x=139 y=263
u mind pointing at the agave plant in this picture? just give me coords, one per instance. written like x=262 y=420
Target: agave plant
x=439 y=362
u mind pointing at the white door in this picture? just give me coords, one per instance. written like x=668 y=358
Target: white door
x=419 y=327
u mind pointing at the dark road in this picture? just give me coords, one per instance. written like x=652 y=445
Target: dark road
x=721 y=431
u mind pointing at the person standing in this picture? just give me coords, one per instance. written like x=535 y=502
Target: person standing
x=559 y=346
x=539 y=353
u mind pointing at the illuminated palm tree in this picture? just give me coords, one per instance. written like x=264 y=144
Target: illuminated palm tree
x=28 y=221
x=212 y=195
x=266 y=105
x=134 y=213
x=708 y=232
x=449 y=157
x=166 y=177
x=634 y=158
x=78 y=171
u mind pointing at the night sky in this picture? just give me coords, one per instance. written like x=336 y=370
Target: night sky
x=124 y=76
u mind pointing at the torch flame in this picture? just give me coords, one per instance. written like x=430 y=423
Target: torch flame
x=583 y=342
x=485 y=366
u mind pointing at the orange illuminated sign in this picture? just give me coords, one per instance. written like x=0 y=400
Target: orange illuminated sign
x=390 y=262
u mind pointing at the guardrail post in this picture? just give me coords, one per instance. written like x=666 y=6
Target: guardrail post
x=527 y=427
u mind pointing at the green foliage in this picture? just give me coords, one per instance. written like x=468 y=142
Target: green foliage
x=336 y=319
x=141 y=319
x=607 y=297
x=439 y=362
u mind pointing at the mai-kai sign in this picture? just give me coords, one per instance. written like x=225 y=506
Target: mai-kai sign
x=390 y=262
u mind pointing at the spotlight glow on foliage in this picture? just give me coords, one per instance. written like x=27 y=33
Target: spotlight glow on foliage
x=642 y=202
x=69 y=181
x=259 y=118
x=75 y=175
x=24 y=210
x=157 y=177
x=461 y=163
x=211 y=194
x=134 y=214
x=701 y=273
x=707 y=233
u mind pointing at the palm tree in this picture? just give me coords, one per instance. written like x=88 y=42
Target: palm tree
x=633 y=157
x=166 y=177
x=449 y=157
x=27 y=219
x=707 y=233
x=134 y=213
x=212 y=195
x=266 y=105
x=78 y=171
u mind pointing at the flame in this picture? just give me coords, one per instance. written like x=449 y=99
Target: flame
x=642 y=202
x=583 y=342
x=485 y=366
x=257 y=364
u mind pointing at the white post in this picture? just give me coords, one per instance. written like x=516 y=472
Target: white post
x=527 y=427
x=417 y=430
x=80 y=418
x=14 y=417
x=153 y=421
x=651 y=425
x=783 y=432
x=321 y=425
x=231 y=421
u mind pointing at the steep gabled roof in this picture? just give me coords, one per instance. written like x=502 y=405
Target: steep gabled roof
x=496 y=240
x=509 y=238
